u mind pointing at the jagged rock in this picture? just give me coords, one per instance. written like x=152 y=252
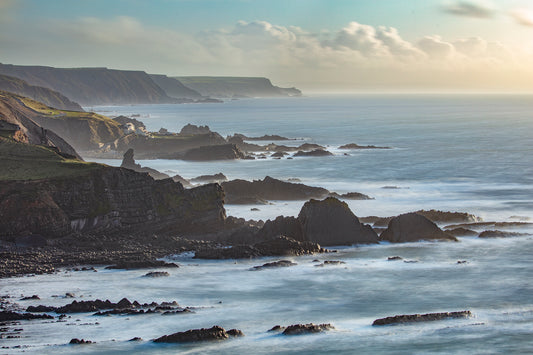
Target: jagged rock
x=235 y=252
x=277 y=328
x=142 y=264
x=376 y=221
x=331 y=222
x=195 y=335
x=80 y=341
x=412 y=227
x=157 y=274
x=214 y=152
x=410 y=318
x=271 y=189
x=275 y=264
x=278 y=154
x=298 y=329
x=235 y=333
x=34 y=297
x=136 y=339
x=499 y=234
x=190 y=130
x=182 y=180
x=128 y=162
x=312 y=153
x=10 y=316
x=392 y=258
x=463 y=232
x=330 y=262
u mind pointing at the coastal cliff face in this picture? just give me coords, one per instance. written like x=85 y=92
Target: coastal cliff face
x=234 y=87
x=92 y=86
x=82 y=130
x=174 y=88
x=47 y=96
x=104 y=200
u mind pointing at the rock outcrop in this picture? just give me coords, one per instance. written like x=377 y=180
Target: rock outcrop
x=411 y=318
x=128 y=162
x=312 y=153
x=331 y=222
x=106 y=199
x=195 y=335
x=310 y=328
x=174 y=88
x=412 y=227
x=499 y=234
x=357 y=146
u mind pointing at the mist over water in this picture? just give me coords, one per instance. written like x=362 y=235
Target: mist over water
x=459 y=153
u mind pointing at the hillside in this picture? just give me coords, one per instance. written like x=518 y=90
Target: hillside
x=234 y=87
x=174 y=88
x=82 y=130
x=92 y=86
x=47 y=96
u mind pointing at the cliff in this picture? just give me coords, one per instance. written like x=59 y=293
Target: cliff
x=92 y=86
x=174 y=88
x=47 y=96
x=82 y=130
x=234 y=87
x=105 y=199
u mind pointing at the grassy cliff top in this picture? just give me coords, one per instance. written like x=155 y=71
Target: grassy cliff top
x=21 y=161
x=55 y=113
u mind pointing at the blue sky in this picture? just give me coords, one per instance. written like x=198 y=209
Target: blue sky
x=344 y=43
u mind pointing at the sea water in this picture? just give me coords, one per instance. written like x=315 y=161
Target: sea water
x=462 y=153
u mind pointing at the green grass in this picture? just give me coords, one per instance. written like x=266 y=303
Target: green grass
x=19 y=161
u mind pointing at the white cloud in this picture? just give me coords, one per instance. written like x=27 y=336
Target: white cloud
x=436 y=48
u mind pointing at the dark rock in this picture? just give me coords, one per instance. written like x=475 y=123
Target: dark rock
x=463 y=232
x=412 y=227
x=331 y=222
x=234 y=252
x=313 y=153
x=499 y=234
x=69 y=295
x=142 y=264
x=85 y=306
x=288 y=226
x=34 y=297
x=298 y=329
x=157 y=274
x=390 y=258
x=10 y=316
x=265 y=137
x=376 y=221
x=136 y=339
x=124 y=303
x=351 y=196
x=182 y=180
x=271 y=189
x=410 y=318
x=244 y=200
x=80 y=341
x=128 y=162
x=40 y=309
x=448 y=217
x=195 y=335
x=278 y=155
x=489 y=224
x=330 y=262
x=235 y=333
x=214 y=152
x=275 y=264
x=31 y=241
x=277 y=328
x=191 y=130
x=462 y=262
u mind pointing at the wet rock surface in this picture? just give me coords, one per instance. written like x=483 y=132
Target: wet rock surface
x=196 y=335
x=157 y=274
x=299 y=329
x=11 y=316
x=499 y=234
x=275 y=264
x=76 y=341
x=428 y=317
x=313 y=153
x=142 y=264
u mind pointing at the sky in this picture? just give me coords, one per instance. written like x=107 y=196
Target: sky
x=315 y=45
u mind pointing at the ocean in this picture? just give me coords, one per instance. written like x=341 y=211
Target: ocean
x=468 y=153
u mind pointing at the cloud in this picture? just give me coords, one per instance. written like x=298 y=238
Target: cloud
x=356 y=54
x=523 y=17
x=476 y=9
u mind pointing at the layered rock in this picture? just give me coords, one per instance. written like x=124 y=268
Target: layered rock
x=214 y=152
x=128 y=162
x=412 y=227
x=195 y=335
x=411 y=318
x=106 y=199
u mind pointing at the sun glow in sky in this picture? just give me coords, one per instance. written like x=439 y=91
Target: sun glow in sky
x=386 y=45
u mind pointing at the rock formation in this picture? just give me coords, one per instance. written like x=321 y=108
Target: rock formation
x=214 y=152
x=128 y=162
x=412 y=227
x=331 y=222
x=411 y=318
x=195 y=335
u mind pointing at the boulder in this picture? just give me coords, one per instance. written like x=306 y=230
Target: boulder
x=412 y=227
x=157 y=274
x=77 y=341
x=331 y=222
x=298 y=329
x=411 y=318
x=288 y=226
x=195 y=335
x=275 y=264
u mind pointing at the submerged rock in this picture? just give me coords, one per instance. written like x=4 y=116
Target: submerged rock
x=298 y=329
x=157 y=274
x=141 y=264
x=412 y=227
x=357 y=146
x=312 y=153
x=330 y=262
x=275 y=264
x=499 y=234
x=410 y=318
x=80 y=341
x=195 y=335
x=10 y=316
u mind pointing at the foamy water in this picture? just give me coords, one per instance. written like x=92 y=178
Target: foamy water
x=469 y=153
